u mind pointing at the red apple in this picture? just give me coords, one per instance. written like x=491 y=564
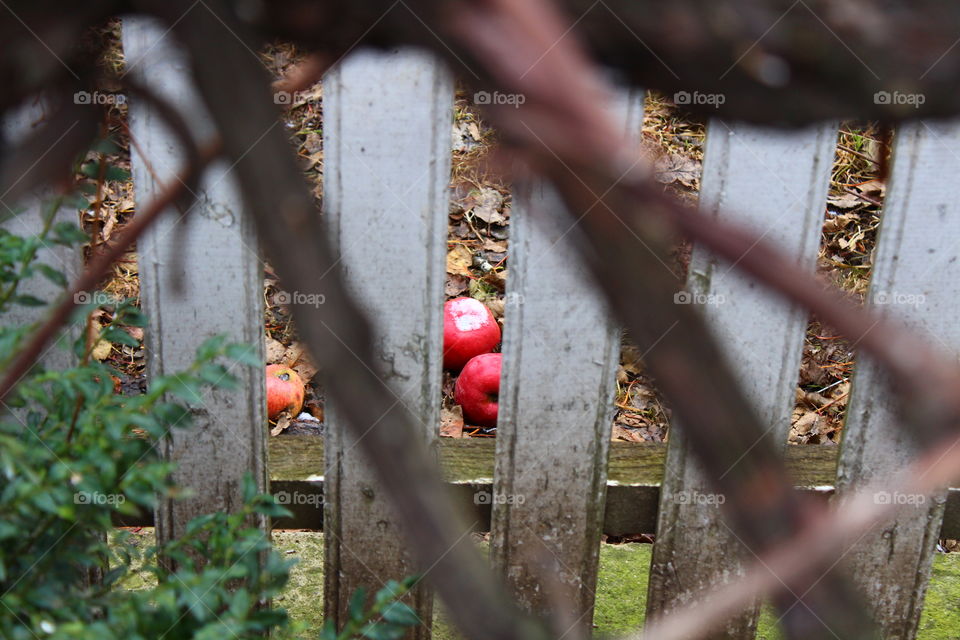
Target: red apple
x=284 y=391
x=478 y=389
x=469 y=329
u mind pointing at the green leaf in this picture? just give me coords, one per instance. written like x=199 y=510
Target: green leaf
x=67 y=233
x=329 y=631
x=106 y=145
x=51 y=274
x=401 y=613
x=116 y=173
x=356 y=608
x=27 y=300
x=77 y=201
x=216 y=375
x=383 y=631
x=244 y=354
x=250 y=489
x=132 y=317
x=211 y=347
x=185 y=388
x=117 y=335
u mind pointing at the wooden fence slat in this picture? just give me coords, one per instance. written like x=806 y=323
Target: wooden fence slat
x=561 y=351
x=915 y=276
x=221 y=289
x=30 y=222
x=387 y=123
x=775 y=183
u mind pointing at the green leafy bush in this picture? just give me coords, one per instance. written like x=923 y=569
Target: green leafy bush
x=74 y=454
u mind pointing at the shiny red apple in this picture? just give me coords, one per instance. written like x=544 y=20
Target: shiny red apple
x=478 y=389
x=469 y=329
x=284 y=391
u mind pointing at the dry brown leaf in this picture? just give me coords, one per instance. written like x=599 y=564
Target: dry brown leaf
x=836 y=223
x=497 y=307
x=488 y=203
x=844 y=201
x=492 y=245
x=459 y=260
x=451 y=422
x=101 y=351
x=108 y=226
x=620 y=433
x=455 y=285
x=806 y=423
x=673 y=167
x=283 y=421
x=274 y=351
x=298 y=358
x=875 y=189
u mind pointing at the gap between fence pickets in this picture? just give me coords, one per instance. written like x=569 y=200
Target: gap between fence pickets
x=776 y=183
x=915 y=275
x=386 y=203
x=219 y=246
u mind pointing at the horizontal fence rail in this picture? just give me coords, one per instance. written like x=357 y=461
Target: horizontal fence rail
x=634 y=475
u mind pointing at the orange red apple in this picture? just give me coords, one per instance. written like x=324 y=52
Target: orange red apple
x=284 y=391
x=469 y=329
x=477 y=389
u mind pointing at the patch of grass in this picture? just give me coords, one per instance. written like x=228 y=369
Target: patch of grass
x=621 y=588
x=621 y=591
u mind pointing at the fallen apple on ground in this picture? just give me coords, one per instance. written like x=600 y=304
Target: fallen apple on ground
x=478 y=389
x=284 y=391
x=469 y=329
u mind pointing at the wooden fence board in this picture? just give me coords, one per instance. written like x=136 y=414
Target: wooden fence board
x=775 y=183
x=915 y=276
x=561 y=351
x=29 y=222
x=221 y=289
x=387 y=125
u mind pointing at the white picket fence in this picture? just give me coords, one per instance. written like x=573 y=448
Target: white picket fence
x=387 y=119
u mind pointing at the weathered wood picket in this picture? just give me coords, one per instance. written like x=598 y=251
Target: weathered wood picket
x=553 y=477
